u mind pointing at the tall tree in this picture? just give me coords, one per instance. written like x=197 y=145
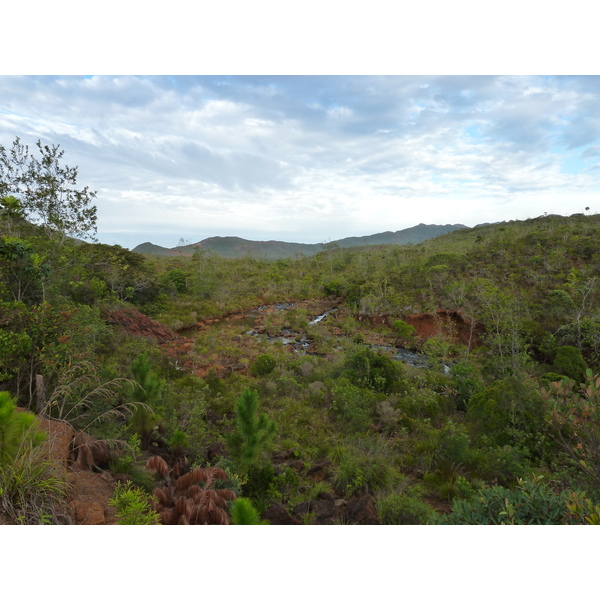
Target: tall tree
x=47 y=191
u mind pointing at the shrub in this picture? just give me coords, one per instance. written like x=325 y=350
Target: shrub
x=30 y=493
x=17 y=430
x=193 y=498
x=133 y=506
x=259 y=480
x=441 y=448
x=263 y=365
x=404 y=330
x=243 y=513
x=466 y=383
x=421 y=404
x=353 y=405
x=403 y=508
x=148 y=395
x=570 y=363
x=508 y=411
x=364 y=470
x=367 y=369
x=127 y=463
x=531 y=503
x=499 y=464
x=252 y=431
x=574 y=418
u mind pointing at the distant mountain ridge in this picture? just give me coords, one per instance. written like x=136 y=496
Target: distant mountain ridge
x=235 y=247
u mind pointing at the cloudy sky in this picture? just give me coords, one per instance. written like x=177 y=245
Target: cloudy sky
x=312 y=159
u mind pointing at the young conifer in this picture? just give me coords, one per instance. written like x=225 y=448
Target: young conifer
x=243 y=513
x=252 y=432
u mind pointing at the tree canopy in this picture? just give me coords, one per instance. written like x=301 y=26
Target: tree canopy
x=45 y=192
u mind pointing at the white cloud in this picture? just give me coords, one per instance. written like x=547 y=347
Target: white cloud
x=310 y=159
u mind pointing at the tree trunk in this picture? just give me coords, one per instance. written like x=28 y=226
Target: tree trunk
x=40 y=394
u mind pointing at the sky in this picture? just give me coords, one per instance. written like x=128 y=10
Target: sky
x=313 y=158
x=307 y=155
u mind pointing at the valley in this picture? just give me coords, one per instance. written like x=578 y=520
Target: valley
x=428 y=383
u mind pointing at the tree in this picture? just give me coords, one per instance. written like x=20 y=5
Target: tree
x=148 y=395
x=11 y=212
x=503 y=314
x=253 y=430
x=46 y=191
x=404 y=330
x=22 y=270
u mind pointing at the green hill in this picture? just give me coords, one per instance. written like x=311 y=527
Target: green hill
x=235 y=247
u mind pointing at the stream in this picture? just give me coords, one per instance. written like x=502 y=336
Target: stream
x=301 y=345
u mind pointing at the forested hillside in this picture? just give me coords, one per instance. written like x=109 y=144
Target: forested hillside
x=452 y=381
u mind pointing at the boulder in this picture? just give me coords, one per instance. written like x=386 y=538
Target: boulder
x=324 y=511
x=88 y=513
x=320 y=471
x=360 y=510
x=276 y=514
x=297 y=465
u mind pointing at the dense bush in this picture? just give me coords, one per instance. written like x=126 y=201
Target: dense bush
x=531 y=503
x=570 y=363
x=406 y=508
x=368 y=369
x=353 y=405
x=365 y=467
x=508 y=411
x=263 y=365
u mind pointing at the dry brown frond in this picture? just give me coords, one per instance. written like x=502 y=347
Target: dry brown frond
x=218 y=473
x=227 y=494
x=177 y=470
x=164 y=497
x=158 y=464
x=168 y=516
x=210 y=505
x=203 y=516
x=211 y=494
x=193 y=491
x=194 y=476
x=196 y=516
x=221 y=502
x=219 y=517
x=182 y=506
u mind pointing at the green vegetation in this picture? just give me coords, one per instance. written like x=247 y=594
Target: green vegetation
x=278 y=409
x=133 y=506
x=30 y=492
x=530 y=503
x=243 y=513
x=252 y=431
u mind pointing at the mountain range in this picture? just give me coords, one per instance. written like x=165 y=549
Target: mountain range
x=235 y=247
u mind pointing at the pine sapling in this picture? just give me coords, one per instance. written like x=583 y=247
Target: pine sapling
x=252 y=432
